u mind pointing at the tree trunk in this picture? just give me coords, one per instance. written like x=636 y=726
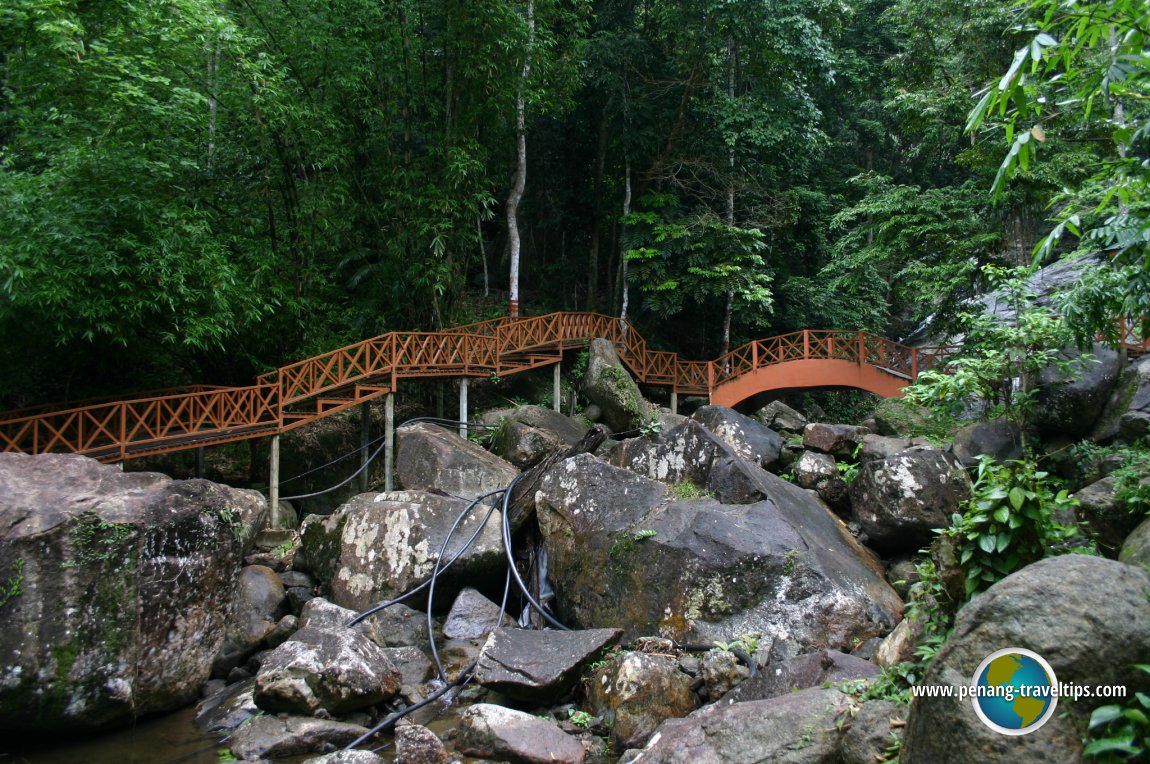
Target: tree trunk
x=521 y=163
x=622 y=246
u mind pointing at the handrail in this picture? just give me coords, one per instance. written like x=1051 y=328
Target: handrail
x=336 y=379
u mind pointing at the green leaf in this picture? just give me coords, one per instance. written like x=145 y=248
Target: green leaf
x=987 y=542
x=1002 y=514
x=1017 y=497
x=1104 y=715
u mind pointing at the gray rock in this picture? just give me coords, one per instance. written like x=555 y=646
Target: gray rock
x=1126 y=415
x=997 y=438
x=275 y=737
x=681 y=455
x=432 y=458
x=416 y=744
x=798 y=728
x=721 y=670
x=566 y=429
x=538 y=665
x=751 y=440
x=1087 y=616
x=494 y=732
x=124 y=583
x=225 y=710
x=781 y=418
x=609 y=386
x=900 y=500
x=335 y=670
x=699 y=570
x=524 y=446
x=801 y=673
x=378 y=545
x=871 y=731
x=836 y=439
x=472 y=616
x=259 y=603
x=348 y=757
x=814 y=467
x=880 y=447
x=1136 y=548
x=899 y=645
x=635 y=692
x=283 y=629
x=1069 y=402
x=1109 y=519
x=413 y=665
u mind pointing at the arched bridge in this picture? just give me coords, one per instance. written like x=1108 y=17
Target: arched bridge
x=300 y=393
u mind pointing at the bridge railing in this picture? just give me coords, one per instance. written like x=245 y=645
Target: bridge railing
x=119 y=428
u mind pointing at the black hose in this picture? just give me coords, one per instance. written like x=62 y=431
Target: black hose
x=511 y=560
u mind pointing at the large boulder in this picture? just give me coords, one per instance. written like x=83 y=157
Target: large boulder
x=379 y=545
x=899 y=501
x=999 y=439
x=117 y=587
x=781 y=418
x=1068 y=401
x=683 y=454
x=623 y=554
x=1106 y=513
x=1087 y=616
x=272 y=737
x=259 y=604
x=523 y=445
x=836 y=439
x=797 y=728
x=567 y=430
x=1126 y=415
x=611 y=388
x=432 y=458
x=749 y=439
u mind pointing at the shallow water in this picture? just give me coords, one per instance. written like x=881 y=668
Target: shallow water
x=171 y=739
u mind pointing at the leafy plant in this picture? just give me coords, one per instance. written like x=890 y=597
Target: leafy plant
x=1120 y=733
x=580 y=718
x=687 y=491
x=746 y=643
x=12 y=587
x=1009 y=522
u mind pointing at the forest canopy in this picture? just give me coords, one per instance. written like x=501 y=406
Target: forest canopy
x=199 y=190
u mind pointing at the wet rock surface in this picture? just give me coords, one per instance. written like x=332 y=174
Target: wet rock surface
x=379 y=545
x=276 y=737
x=899 y=501
x=538 y=665
x=496 y=732
x=125 y=583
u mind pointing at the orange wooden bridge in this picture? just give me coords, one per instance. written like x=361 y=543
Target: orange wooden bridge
x=301 y=393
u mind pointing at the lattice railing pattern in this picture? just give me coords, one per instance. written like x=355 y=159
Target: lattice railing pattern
x=340 y=377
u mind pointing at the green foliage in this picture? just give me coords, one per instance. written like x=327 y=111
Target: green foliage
x=747 y=643
x=1082 y=73
x=580 y=718
x=1120 y=732
x=1001 y=357
x=1009 y=522
x=688 y=491
x=12 y=586
x=96 y=541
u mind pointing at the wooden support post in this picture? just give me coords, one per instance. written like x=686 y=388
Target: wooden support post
x=674 y=402
x=200 y=462
x=389 y=441
x=274 y=482
x=463 y=383
x=364 y=444
x=556 y=388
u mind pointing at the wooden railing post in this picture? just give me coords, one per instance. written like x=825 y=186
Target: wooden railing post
x=862 y=348
x=806 y=344
x=754 y=355
x=914 y=364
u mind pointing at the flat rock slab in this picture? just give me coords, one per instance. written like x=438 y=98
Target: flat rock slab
x=798 y=728
x=495 y=732
x=539 y=665
x=274 y=737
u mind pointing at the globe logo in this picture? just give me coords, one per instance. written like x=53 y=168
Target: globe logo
x=1014 y=691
